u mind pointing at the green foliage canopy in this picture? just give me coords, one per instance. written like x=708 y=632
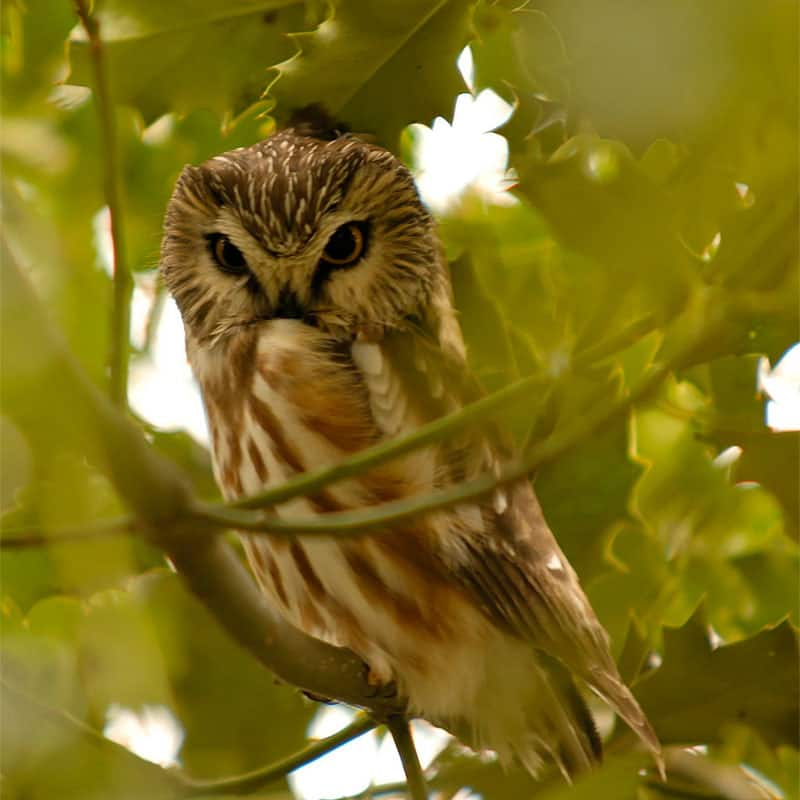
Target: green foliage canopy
x=655 y=149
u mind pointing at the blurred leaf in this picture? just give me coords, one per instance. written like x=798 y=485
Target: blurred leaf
x=483 y=324
x=668 y=68
x=193 y=459
x=634 y=579
x=742 y=745
x=705 y=524
x=159 y=55
x=772 y=460
x=378 y=68
x=235 y=715
x=586 y=492
x=617 y=778
x=46 y=754
x=32 y=49
x=601 y=203
x=698 y=690
x=520 y=55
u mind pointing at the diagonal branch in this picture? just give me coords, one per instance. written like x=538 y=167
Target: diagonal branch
x=157 y=493
x=386 y=514
x=175 y=781
x=112 y=186
x=251 y=781
x=22 y=538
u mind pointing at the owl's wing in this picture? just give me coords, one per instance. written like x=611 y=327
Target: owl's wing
x=506 y=557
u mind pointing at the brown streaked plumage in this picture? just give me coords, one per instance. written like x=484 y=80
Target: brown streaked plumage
x=319 y=321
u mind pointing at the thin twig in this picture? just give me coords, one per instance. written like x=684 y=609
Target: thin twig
x=183 y=785
x=487 y=407
x=388 y=514
x=112 y=185
x=309 y=482
x=21 y=538
x=385 y=515
x=34 y=708
x=251 y=781
x=401 y=733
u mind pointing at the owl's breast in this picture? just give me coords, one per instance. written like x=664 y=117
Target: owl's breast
x=286 y=399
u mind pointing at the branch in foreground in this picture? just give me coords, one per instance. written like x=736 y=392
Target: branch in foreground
x=158 y=494
x=401 y=733
x=309 y=482
x=23 y=705
x=251 y=781
x=387 y=514
x=123 y=280
x=486 y=408
x=22 y=538
x=180 y=784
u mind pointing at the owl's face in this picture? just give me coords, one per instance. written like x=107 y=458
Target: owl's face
x=331 y=233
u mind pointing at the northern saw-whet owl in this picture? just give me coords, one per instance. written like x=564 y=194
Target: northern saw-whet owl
x=319 y=320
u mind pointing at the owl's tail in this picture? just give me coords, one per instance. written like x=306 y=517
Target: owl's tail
x=560 y=725
x=530 y=712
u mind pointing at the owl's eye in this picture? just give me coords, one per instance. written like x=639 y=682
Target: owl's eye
x=228 y=256
x=346 y=245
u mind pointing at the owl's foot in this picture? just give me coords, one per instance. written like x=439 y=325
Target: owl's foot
x=380 y=682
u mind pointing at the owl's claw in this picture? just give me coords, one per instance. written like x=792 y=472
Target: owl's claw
x=378 y=685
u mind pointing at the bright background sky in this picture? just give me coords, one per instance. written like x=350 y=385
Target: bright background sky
x=450 y=158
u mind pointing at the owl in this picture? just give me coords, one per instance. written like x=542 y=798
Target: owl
x=319 y=320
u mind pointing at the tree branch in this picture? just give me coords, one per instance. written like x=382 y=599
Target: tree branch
x=78 y=730
x=157 y=493
x=387 y=514
x=401 y=733
x=381 y=518
x=310 y=482
x=123 y=280
x=21 y=538
x=180 y=784
x=251 y=781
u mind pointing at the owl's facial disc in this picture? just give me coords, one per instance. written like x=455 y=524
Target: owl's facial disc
x=344 y=249
x=329 y=232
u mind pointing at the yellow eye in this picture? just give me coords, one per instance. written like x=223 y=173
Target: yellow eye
x=228 y=256
x=346 y=245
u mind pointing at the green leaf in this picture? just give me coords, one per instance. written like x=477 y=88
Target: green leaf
x=617 y=777
x=698 y=689
x=186 y=55
x=48 y=753
x=586 y=492
x=377 y=68
x=32 y=50
x=235 y=715
x=520 y=55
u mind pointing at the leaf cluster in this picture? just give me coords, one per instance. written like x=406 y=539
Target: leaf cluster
x=654 y=152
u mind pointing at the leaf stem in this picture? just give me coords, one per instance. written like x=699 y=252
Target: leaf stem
x=112 y=186
x=400 y=729
x=251 y=781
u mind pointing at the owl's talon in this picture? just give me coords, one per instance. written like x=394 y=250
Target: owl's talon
x=379 y=685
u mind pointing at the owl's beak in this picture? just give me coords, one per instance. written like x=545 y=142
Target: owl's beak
x=290 y=307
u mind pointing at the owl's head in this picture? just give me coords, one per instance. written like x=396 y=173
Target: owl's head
x=328 y=231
